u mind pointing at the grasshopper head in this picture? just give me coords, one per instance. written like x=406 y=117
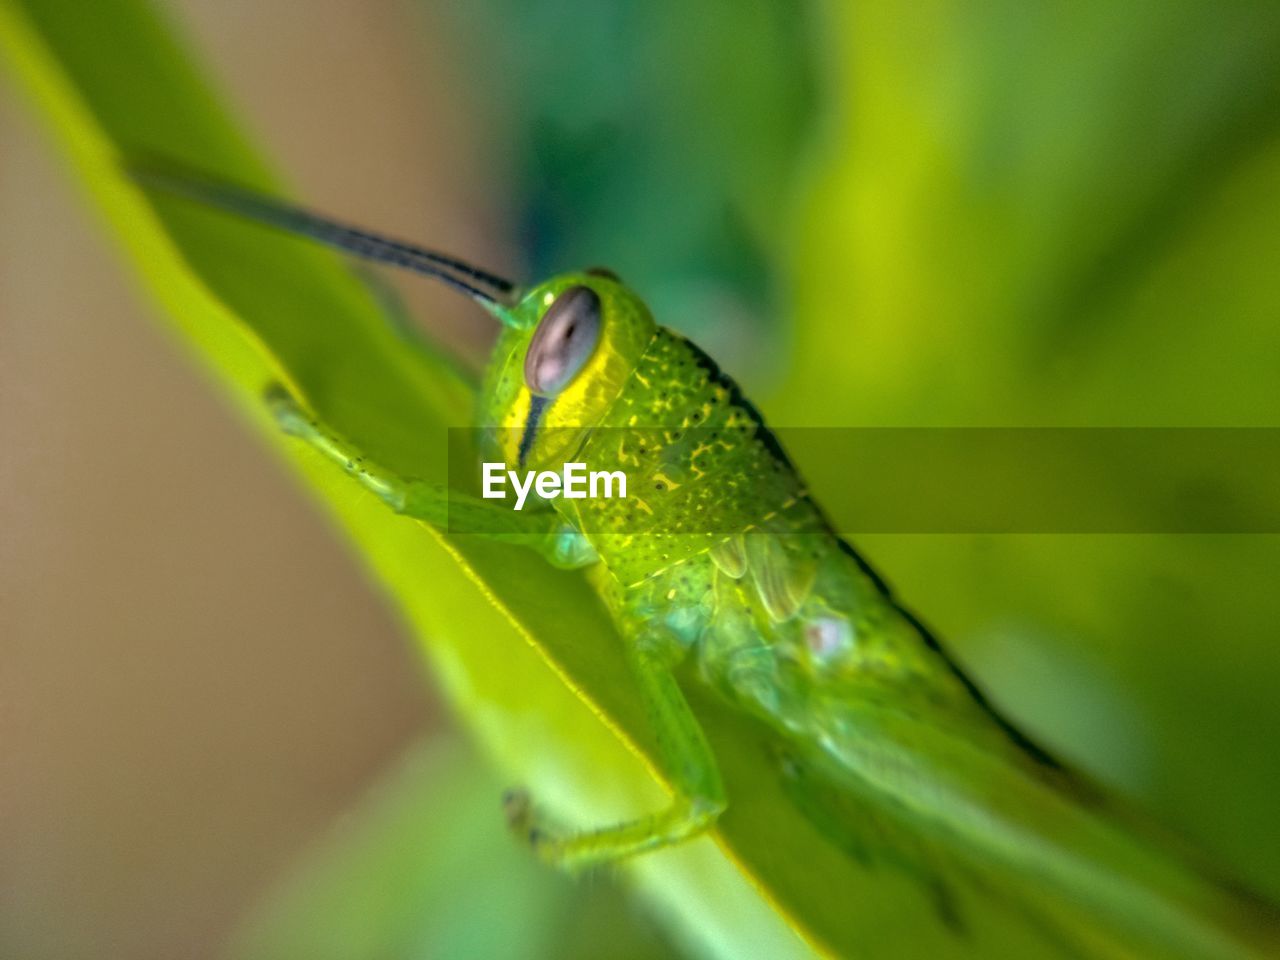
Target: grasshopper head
x=566 y=351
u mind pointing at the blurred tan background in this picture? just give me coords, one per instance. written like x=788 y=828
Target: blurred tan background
x=197 y=677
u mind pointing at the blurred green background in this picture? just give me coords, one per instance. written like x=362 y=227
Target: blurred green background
x=888 y=214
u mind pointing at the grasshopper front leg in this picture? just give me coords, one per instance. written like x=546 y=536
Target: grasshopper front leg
x=686 y=757
x=432 y=502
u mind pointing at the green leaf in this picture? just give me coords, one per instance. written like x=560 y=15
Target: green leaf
x=525 y=653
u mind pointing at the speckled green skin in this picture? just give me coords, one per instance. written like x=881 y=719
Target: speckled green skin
x=696 y=459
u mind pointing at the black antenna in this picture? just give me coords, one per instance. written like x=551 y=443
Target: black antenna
x=359 y=243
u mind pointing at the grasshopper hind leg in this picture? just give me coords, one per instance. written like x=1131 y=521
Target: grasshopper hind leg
x=686 y=758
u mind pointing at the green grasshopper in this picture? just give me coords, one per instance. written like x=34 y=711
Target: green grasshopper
x=720 y=566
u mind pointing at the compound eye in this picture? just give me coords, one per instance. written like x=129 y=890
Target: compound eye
x=564 y=341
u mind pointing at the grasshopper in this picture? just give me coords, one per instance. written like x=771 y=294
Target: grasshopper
x=723 y=570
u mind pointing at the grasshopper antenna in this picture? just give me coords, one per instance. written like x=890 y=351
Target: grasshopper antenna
x=362 y=244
